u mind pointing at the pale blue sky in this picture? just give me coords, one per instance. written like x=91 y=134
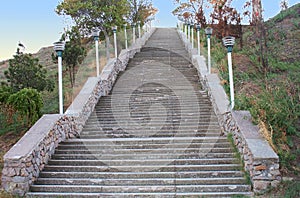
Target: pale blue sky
x=36 y=25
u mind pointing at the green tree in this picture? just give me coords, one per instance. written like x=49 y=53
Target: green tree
x=28 y=102
x=5 y=92
x=101 y=14
x=24 y=71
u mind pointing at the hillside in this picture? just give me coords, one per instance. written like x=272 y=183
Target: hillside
x=272 y=93
x=284 y=33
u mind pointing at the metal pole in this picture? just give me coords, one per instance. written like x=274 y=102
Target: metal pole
x=231 y=79
x=59 y=47
x=198 y=40
x=209 y=59
x=97 y=57
x=115 y=42
x=126 y=39
x=60 y=86
x=133 y=34
x=139 y=29
x=189 y=32
x=192 y=29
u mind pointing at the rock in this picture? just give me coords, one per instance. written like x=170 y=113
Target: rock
x=24 y=173
x=260 y=168
x=19 y=179
x=9 y=172
x=275 y=183
x=260 y=186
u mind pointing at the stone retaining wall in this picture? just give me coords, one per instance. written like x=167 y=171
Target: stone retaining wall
x=27 y=158
x=259 y=158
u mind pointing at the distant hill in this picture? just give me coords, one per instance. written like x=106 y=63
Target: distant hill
x=44 y=56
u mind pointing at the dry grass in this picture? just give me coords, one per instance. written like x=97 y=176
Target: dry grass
x=267 y=134
x=4 y=194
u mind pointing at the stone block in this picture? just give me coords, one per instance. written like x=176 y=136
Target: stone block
x=19 y=179
x=260 y=167
x=260 y=186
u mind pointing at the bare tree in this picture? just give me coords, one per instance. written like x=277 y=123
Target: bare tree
x=226 y=17
x=191 y=8
x=256 y=12
x=284 y=4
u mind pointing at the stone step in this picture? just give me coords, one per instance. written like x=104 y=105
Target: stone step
x=121 y=151
x=131 y=122
x=144 y=121
x=160 y=106
x=148 y=194
x=212 y=171
x=158 y=168
x=150 y=141
x=138 y=162
x=141 y=181
x=186 y=113
x=142 y=98
x=154 y=141
x=128 y=156
x=179 y=64
x=140 y=189
x=128 y=134
x=140 y=127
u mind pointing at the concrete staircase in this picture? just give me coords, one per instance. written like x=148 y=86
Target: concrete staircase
x=155 y=135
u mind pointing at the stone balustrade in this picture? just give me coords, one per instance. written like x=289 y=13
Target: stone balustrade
x=27 y=158
x=259 y=158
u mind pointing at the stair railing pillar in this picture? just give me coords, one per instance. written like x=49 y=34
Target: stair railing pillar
x=228 y=42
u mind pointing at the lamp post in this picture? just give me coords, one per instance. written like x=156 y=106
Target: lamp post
x=228 y=42
x=95 y=34
x=59 y=47
x=133 y=32
x=208 y=32
x=139 y=28
x=185 y=29
x=182 y=26
x=189 y=31
x=198 y=27
x=192 y=30
x=125 y=34
x=114 y=29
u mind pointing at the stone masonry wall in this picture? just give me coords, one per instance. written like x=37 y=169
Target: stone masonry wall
x=259 y=159
x=27 y=158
